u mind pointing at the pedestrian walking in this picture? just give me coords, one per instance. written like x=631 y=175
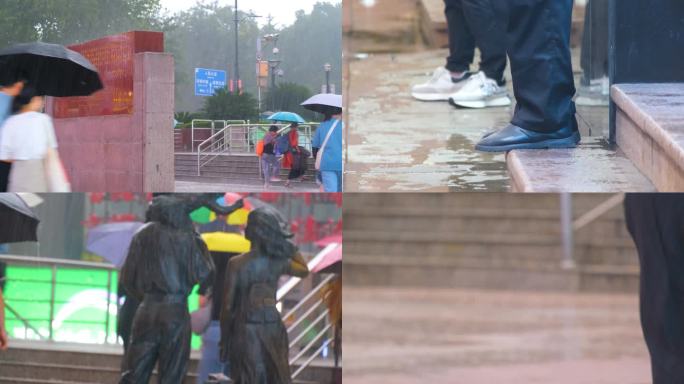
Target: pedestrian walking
x=327 y=148
x=296 y=157
x=7 y=95
x=28 y=141
x=270 y=163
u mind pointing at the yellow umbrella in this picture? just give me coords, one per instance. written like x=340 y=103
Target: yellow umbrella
x=226 y=242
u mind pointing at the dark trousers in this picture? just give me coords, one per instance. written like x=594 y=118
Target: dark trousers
x=538 y=39
x=594 y=58
x=471 y=23
x=5 y=169
x=161 y=331
x=656 y=223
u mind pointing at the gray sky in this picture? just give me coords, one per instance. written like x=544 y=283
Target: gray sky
x=283 y=11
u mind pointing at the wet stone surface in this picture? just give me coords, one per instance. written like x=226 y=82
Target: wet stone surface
x=465 y=336
x=398 y=144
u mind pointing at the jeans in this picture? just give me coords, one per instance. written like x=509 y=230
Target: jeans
x=539 y=50
x=210 y=362
x=332 y=181
x=476 y=22
x=270 y=166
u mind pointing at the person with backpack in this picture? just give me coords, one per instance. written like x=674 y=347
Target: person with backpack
x=270 y=163
x=295 y=156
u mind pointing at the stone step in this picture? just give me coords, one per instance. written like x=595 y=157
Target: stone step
x=650 y=131
x=69 y=372
x=588 y=278
x=68 y=353
x=603 y=228
x=591 y=167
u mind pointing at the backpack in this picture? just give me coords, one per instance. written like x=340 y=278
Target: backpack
x=260 y=148
x=282 y=145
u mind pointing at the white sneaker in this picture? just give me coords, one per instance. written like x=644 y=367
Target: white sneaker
x=439 y=87
x=480 y=92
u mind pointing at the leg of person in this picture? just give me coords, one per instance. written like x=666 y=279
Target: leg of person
x=486 y=88
x=174 y=350
x=265 y=169
x=210 y=362
x=461 y=54
x=539 y=51
x=656 y=223
x=461 y=39
x=330 y=181
x=276 y=169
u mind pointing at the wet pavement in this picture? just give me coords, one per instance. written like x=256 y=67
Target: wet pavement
x=397 y=144
x=462 y=336
x=191 y=186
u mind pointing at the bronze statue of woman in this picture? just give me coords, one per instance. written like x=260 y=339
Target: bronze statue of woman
x=253 y=336
x=166 y=259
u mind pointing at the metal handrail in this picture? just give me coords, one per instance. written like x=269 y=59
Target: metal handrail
x=224 y=141
x=307 y=307
x=294 y=281
x=212 y=127
x=27 y=324
x=569 y=225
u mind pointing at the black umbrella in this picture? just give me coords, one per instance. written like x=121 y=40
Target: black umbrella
x=17 y=220
x=53 y=70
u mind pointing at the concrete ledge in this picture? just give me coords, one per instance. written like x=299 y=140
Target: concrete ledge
x=591 y=167
x=650 y=131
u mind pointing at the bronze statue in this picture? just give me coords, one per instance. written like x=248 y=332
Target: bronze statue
x=167 y=257
x=253 y=336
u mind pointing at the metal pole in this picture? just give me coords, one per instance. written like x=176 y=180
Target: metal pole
x=237 y=64
x=109 y=302
x=566 y=230
x=327 y=81
x=53 y=284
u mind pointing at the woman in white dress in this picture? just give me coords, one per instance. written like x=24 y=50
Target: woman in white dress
x=28 y=137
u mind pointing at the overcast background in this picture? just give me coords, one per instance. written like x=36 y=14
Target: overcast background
x=283 y=11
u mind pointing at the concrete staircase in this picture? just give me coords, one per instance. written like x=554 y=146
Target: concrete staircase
x=35 y=362
x=243 y=168
x=55 y=363
x=650 y=131
x=649 y=155
x=497 y=241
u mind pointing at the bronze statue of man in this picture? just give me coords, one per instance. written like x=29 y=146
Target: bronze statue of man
x=253 y=336
x=166 y=259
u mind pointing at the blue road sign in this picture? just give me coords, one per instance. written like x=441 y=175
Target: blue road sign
x=207 y=81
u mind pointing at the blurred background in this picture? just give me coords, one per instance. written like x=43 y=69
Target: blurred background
x=489 y=288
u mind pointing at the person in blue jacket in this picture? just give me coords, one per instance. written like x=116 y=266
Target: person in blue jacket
x=7 y=94
x=331 y=152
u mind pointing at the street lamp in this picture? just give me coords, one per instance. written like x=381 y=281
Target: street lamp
x=237 y=21
x=327 y=68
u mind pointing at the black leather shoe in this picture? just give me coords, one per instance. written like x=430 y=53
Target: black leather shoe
x=514 y=137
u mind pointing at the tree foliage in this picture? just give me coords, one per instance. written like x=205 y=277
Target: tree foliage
x=201 y=37
x=288 y=97
x=74 y=21
x=225 y=105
